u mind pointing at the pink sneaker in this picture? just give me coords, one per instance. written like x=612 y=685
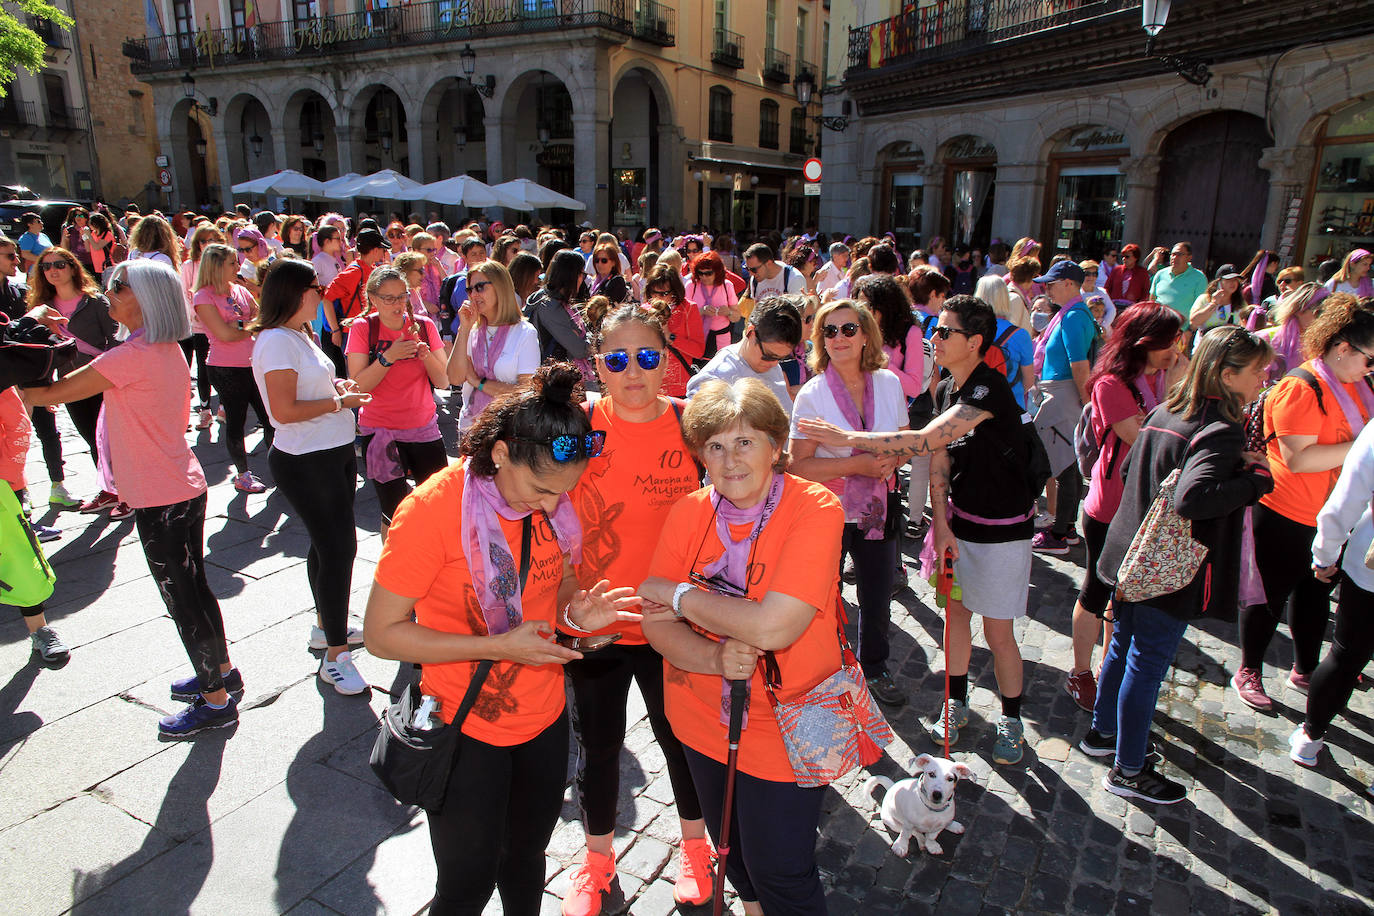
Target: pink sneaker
x=1083 y=688
x=1299 y=682
x=1250 y=687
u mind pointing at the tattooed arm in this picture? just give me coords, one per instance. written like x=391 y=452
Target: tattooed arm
x=939 y=505
x=958 y=421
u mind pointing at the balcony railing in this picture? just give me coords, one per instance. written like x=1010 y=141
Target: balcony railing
x=777 y=65
x=805 y=66
x=721 y=127
x=68 y=118
x=18 y=114
x=797 y=139
x=728 y=49
x=948 y=28
x=654 y=23
x=417 y=23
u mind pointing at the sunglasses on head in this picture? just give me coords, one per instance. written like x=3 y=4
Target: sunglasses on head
x=848 y=329
x=573 y=448
x=943 y=332
x=619 y=360
x=59 y=264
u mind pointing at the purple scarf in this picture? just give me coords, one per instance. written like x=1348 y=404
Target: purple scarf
x=484 y=359
x=862 y=497
x=1348 y=406
x=1257 y=280
x=1043 y=341
x=1287 y=340
x=384 y=455
x=495 y=573
x=734 y=562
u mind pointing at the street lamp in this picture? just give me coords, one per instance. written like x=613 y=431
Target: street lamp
x=188 y=89
x=487 y=84
x=1154 y=14
x=805 y=86
x=460 y=136
x=255 y=142
x=317 y=140
x=201 y=147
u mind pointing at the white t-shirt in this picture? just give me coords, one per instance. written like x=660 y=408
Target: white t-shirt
x=728 y=366
x=520 y=356
x=829 y=276
x=326 y=268
x=788 y=279
x=815 y=400
x=280 y=348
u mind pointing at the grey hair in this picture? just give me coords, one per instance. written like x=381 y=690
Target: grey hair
x=993 y=291
x=837 y=247
x=157 y=287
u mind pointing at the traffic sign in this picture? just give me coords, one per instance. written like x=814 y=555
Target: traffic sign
x=164 y=176
x=811 y=189
x=812 y=170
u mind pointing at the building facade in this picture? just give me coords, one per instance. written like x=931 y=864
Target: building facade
x=998 y=119
x=650 y=114
x=45 y=129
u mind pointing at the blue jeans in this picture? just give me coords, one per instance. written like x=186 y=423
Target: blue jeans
x=1143 y=647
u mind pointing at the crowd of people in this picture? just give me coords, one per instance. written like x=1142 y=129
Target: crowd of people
x=671 y=455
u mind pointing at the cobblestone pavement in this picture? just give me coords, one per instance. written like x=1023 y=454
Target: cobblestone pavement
x=283 y=814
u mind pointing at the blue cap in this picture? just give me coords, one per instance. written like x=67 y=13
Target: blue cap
x=1062 y=270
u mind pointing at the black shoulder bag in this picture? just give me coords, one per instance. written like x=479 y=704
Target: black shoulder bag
x=412 y=763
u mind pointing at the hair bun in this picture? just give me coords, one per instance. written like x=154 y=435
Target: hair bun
x=557 y=383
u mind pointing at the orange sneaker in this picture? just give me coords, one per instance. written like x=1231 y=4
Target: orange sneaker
x=589 y=885
x=693 y=886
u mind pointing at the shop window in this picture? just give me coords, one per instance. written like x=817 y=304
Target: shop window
x=1086 y=214
x=1341 y=212
x=905 y=195
x=721 y=118
x=768 y=124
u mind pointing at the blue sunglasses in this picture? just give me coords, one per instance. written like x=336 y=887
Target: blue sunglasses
x=574 y=448
x=619 y=360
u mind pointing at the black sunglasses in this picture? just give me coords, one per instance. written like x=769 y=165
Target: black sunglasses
x=59 y=264
x=573 y=448
x=619 y=360
x=479 y=286
x=249 y=250
x=118 y=285
x=848 y=329
x=944 y=332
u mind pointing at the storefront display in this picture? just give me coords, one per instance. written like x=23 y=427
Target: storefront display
x=970 y=190
x=1341 y=211
x=903 y=192
x=1087 y=193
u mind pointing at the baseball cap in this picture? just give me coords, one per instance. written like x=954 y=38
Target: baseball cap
x=1062 y=270
x=1226 y=272
x=371 y=239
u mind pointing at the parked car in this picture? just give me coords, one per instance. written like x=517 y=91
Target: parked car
x=54 y=213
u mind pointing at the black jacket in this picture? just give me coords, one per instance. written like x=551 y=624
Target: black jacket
x=1214 y=488
x=92 y=324
x=12 y=302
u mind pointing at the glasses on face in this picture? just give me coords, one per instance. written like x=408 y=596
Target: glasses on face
x=694 y=251
x=249 y=250
x=59 y=264
x=943 y=332
x=396 y=235
x=573 y=448
x=771 y=357
x=1368 y=360
x=429 y=251
x=619 y=360
x=117 y=286
x=808 y=319
x=848 y=329
x=657 y=291
x=479 y=286
x=9 y=254
x=392 y=300
x=602 y=260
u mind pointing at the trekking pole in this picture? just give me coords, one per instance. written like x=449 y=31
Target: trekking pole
x=737 y=689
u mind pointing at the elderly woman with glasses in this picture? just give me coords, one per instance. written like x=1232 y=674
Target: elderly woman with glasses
x=397 y=356
x=61 y=284
x=606 y=279
x=146 y=406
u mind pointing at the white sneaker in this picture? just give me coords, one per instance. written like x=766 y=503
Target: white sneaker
x=343 y=675
x=1304 y=749
x=318 y=640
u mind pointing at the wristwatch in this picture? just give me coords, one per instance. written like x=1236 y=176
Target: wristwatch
x=682 y=589
x=386 y=363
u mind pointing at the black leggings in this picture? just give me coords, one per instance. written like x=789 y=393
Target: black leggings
x=197 y=347
x=320 y=486
x=1352 y=646
x=1283 y=552
x=238 y=392
x=1094 y=593
x=1066 y=503
x=85 y=413
x=45 y=428
x=499 y=811
x=601 y=686
x=875 y=565
x=419 y=460
x=772 y=837
x=174 y=543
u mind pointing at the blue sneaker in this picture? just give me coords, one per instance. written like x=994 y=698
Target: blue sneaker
x=187 y=689
x=198 y=717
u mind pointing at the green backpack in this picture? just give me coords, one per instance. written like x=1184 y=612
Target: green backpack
x=26 y=579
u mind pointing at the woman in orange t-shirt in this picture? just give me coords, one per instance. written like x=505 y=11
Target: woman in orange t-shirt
x=623 y=503
x=1309 y=437
x=775 y=540
x=522 y=455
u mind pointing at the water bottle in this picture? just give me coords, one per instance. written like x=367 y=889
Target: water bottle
x=427 y=715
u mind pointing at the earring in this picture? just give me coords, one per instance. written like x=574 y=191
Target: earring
x=498 y=467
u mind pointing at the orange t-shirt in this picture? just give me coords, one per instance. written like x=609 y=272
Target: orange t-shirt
x=797 y=554
x=624 y=497
x=1291 y=410
x=423 y=559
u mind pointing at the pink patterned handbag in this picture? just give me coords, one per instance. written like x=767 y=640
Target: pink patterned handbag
x=833 y=727
x=1163 y=556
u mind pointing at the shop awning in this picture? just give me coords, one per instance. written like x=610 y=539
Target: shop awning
x=740 y=163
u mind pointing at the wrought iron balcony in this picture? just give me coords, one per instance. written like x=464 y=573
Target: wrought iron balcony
x=728 y=49
x=68 y=119
x=14 y=113
x=777 y=65
x=393 y=28
x=654 y=23
x=805 y=66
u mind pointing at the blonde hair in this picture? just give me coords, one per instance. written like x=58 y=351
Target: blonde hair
x=507 y=305
x=1291 y=303
x=718 y=406
x=407 y=261
x=872 y=358
x=211 y=265
x=670 y=258
x=1226 y=347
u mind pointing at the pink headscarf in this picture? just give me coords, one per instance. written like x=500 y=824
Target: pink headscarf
x=256 y=238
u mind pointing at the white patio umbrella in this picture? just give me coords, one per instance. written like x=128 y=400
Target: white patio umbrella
x=388 y=184
x=286 y=183
x=333 y=184
x=464 y=191
x=530 y=195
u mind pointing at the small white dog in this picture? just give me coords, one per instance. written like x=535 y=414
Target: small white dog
x=923 y=805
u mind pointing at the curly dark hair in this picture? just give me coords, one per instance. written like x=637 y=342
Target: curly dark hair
x=889 y=302
x=528 y=420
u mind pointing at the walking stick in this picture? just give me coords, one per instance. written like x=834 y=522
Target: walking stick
x=737 y=703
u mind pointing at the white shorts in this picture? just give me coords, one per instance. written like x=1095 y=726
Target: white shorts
x=994 y=578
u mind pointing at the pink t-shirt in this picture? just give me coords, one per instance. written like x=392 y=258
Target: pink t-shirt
x=403 y=400
x=237 y=309
x=909 y=366
x=145 y=417
x=1113 y=402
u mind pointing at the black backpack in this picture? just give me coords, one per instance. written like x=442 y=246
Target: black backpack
x=1256 y=439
